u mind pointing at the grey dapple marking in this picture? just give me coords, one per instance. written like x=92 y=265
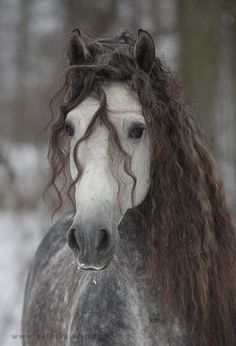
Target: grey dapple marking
x=119 y=309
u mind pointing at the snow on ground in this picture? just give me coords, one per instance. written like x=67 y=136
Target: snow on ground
x=20 y=234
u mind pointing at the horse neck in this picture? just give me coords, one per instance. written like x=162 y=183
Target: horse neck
x=133 y=232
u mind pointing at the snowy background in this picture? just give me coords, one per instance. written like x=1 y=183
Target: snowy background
x=196 y=38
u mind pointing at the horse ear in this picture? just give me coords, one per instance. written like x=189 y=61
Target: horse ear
x=77 y=51
x=144 y=50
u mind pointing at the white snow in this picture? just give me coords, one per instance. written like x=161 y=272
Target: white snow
x=20 y=234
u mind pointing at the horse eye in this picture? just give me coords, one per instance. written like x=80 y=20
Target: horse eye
x=69 y=128
x=136 y=131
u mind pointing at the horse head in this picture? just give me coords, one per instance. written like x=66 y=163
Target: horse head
x=109 y=138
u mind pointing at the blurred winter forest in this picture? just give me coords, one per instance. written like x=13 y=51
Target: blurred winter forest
x=197 y=38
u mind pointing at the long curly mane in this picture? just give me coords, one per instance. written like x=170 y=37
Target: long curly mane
x=191 y=238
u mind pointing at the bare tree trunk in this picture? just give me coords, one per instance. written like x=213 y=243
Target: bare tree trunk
x=199 y=51
x=93 y=17
x=225 y=105
x=21 y=114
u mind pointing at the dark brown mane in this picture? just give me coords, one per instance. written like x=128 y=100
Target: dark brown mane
x=191 y=240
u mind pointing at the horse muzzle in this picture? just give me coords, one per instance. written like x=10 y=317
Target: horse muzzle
x=92 y=243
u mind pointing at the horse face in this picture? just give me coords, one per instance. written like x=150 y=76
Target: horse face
x=103 y=192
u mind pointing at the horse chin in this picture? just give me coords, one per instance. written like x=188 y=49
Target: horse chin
x=94 y=267
x=90 y=267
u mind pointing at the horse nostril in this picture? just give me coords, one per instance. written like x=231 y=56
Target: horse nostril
x=102 y=239
x=72 y=242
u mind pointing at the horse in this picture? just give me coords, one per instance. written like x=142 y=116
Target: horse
x=147 y=255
